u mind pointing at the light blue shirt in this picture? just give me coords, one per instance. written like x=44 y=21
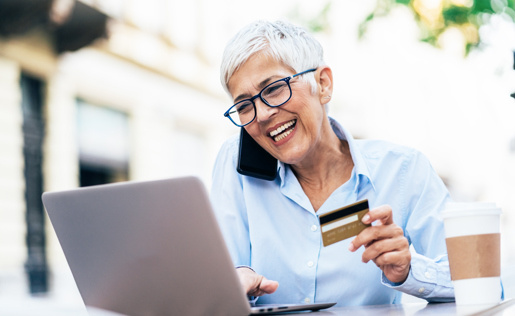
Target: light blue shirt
x=272 y=227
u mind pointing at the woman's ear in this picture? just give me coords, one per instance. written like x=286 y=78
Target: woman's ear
x=325 y=83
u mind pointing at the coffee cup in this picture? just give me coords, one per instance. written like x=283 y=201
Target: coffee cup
x=472 y=232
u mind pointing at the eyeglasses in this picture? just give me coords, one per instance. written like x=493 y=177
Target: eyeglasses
x=275 y=94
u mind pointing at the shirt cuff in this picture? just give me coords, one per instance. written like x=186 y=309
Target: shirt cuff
x=426 y=279
x=244 y=266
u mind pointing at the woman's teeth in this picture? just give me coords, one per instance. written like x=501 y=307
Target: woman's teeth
x=275 y=133
x=283 y=135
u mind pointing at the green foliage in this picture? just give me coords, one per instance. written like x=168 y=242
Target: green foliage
x=482 y=6
x=467 y=19
x=383 y=7
x=455 y=15
x=430 y=39
x=363 y=25
x=316 y=24
x=320 y=22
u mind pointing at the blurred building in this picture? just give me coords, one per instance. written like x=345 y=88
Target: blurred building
x=89 y=94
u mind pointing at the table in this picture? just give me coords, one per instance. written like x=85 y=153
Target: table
x=504 y=308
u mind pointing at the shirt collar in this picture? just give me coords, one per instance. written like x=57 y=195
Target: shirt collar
x=360 y=166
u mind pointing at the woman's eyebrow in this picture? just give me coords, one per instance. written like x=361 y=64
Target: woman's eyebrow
x=241 y=97
x=263 y=83
x=260 y=86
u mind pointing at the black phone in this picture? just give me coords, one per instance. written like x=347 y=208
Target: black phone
x=253 y=160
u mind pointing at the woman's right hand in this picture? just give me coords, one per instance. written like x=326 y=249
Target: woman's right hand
x=255 y=284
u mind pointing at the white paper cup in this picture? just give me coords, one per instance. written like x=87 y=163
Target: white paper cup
x=472 y=232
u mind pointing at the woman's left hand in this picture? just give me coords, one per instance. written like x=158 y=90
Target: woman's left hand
x=385 y=244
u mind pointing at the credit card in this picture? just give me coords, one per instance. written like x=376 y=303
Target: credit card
x=343 y=223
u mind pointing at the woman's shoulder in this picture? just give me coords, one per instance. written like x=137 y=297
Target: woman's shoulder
x=228 y=153
x=385 y=156
x=231 y=144
x=377 y=149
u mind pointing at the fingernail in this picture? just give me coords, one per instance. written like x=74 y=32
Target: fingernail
x=351 y=247
x=366 y=218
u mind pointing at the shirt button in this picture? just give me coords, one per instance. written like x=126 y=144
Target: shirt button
x=307 y=300
x=314 y=228
x=310 y=264
x=421 y=290
x=428 y=275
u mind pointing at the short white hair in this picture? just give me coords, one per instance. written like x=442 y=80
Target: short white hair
x=286 y=43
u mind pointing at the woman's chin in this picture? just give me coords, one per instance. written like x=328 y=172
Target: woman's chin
x=289 y=150
x=291 y=157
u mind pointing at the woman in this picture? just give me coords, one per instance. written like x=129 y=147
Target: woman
x=280 y=85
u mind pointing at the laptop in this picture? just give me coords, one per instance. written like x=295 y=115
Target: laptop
x=151 y=248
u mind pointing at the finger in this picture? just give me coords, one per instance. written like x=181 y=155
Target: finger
x=393 y=258
x=269 y=286
x=382 y=213
x=264 y=286
x=379 y=247
x=373 y=233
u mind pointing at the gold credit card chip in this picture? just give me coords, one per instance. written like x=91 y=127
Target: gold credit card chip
x=343 y=223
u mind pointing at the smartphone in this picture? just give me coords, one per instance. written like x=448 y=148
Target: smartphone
x=253 y=160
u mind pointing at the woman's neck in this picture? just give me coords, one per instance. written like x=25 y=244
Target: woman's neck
x=327 y=167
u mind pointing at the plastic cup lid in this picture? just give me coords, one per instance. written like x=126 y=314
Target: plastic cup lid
x=470 y=209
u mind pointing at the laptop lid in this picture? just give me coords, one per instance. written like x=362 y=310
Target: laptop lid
x=147 y=248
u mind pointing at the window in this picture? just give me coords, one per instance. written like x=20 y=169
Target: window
x=33 y=135
x=103 y=139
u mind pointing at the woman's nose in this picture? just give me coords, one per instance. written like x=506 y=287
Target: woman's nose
x=264 y=112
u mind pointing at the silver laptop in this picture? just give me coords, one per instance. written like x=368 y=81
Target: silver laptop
x=150 y=248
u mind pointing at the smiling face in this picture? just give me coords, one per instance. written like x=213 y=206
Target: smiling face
x=293 y=131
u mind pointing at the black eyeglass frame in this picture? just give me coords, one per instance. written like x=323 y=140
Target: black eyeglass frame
x=287 y=80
